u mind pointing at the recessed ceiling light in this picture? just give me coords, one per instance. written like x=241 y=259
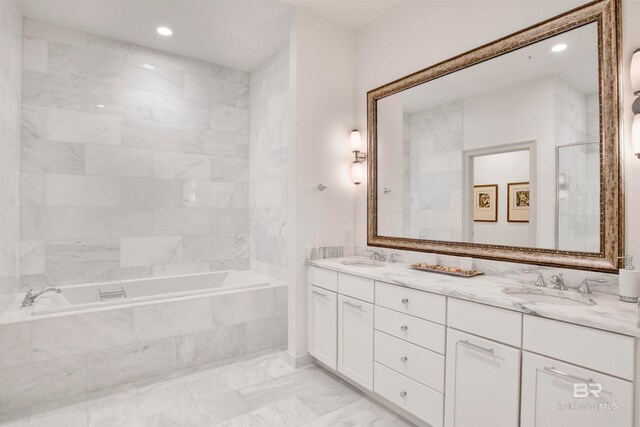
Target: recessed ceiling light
x=559 y=47
x=164 y=31
x=148 y=66
x=101 y=106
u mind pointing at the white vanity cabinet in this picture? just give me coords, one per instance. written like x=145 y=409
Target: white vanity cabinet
x=483 y=365
x=550 y=397
x=355 y=340
x=445 y=361
x=322 y=333
x=580 y=377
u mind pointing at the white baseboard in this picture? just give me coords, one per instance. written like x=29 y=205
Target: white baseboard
x=300 y=361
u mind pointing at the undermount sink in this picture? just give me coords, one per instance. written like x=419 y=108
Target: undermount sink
x=549 y=296
x=362 y=263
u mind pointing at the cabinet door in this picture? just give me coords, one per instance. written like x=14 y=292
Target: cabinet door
x=548 y=389
x=482 y=383
x=323 y=325
x=355 y=340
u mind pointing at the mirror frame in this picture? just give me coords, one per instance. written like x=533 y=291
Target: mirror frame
x=607 y=15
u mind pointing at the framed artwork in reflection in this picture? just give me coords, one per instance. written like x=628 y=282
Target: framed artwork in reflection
x=485 y=203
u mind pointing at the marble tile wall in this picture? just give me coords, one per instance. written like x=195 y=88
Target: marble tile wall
x=54 y=358
x=10 y=84
x=433 y=176
x=269 y=159
x=129 y=170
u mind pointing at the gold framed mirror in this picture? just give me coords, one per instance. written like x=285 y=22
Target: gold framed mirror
x=532 y=118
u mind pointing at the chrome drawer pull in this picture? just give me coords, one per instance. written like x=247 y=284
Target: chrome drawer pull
x=405 y=300
x=404 y=328
x=476 y=347
x=319 y=293
x=572 y=377
x=403 y=394
x=403 y=359
x=353 y=305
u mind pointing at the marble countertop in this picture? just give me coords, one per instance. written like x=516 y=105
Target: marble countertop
x=609 y=313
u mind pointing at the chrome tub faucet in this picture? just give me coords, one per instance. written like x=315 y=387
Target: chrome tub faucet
x=31 y=296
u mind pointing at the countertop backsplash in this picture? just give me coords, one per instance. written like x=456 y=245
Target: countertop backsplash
x=522 y=272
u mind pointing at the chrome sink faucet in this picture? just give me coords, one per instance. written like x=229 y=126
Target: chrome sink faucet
x=558 y=282
x=31 y=296
x=377 y=255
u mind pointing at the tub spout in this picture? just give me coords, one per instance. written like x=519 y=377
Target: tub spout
x=31 y=296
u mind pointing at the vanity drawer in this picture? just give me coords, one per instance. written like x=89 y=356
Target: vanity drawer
x=410 y=395
x=490 y=322
x=421 y=332
x=415 y=362
x=356 y=287
x=322 y=278
x=592 y=348
x=410 y=301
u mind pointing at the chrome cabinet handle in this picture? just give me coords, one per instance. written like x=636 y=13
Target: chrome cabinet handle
x=476 y=347
x=564 y=374
x=405 y=300
x=404 y=327
x=353 y=305
x=319 y=293
x=403 y=394
x=403 y=359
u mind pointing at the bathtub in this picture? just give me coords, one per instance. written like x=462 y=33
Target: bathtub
x=72 y=343
x=96 y=295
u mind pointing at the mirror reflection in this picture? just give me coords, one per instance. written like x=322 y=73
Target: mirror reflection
x=505 y=152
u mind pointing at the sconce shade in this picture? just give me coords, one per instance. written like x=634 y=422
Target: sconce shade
x=356 y=141
x=635 y=72
x=357 y=172
x=635 y=135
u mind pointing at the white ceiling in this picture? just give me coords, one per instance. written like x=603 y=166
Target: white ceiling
x=239 y=34
x=577 y=65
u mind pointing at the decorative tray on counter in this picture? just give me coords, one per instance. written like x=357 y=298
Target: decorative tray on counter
x=442 y=269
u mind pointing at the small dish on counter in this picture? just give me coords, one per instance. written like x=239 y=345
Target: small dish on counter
x=443 y=269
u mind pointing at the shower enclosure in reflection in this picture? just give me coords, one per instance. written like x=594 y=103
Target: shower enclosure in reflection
x=578 y=197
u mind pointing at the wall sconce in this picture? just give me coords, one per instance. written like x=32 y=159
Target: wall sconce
x=357 y=169
x=635 y=85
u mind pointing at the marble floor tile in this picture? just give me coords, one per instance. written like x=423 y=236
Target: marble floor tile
x=362 y=412
x=288 y=412
x=258 y=389
x=319 y=390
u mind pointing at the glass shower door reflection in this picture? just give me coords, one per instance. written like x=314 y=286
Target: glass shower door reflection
x=578 y=197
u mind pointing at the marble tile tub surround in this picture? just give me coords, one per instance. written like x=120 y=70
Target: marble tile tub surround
x=10 y=84
x=609 y=313
x=269 y=165
x=129 y=170
x=55 y=357
x=255 y=390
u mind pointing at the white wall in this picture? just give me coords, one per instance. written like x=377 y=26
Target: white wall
x=415 y=35
x=501 y=169
x=321 y=107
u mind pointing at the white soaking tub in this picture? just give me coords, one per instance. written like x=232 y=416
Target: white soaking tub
x=72 y=343
x=94 y=295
